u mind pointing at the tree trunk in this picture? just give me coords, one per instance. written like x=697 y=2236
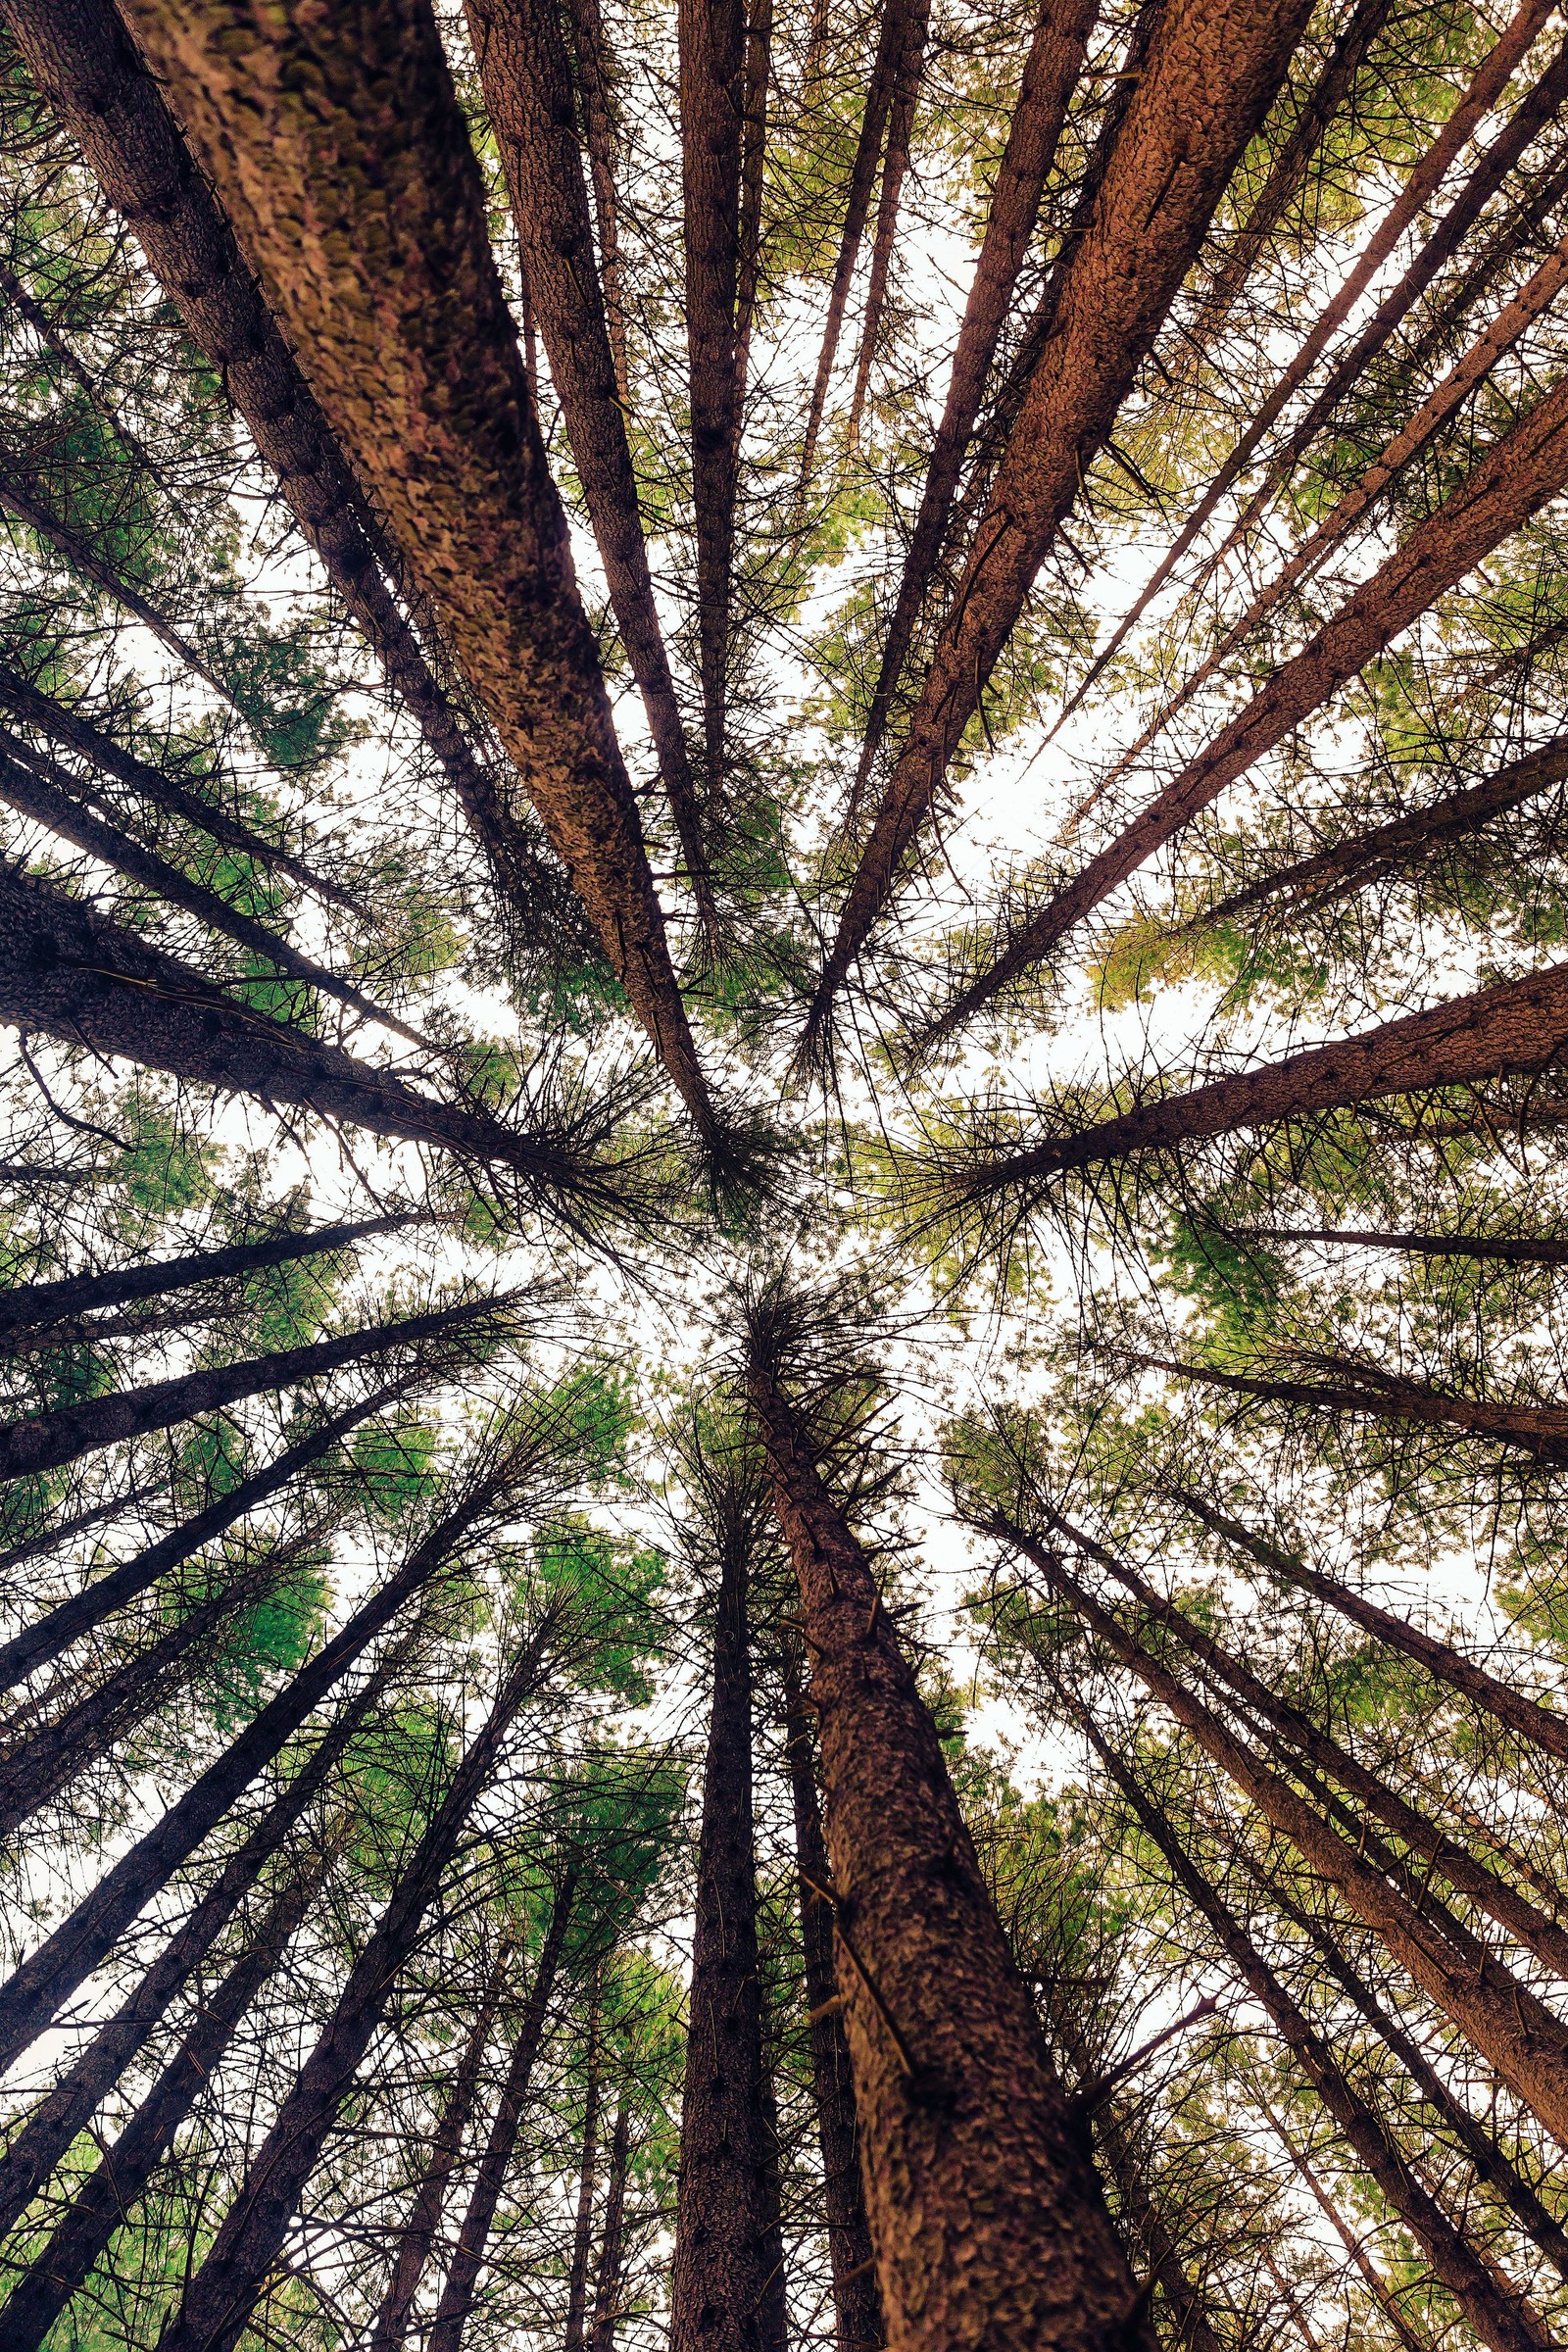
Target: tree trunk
x=527 y=82
x=1049 y=76
x=857 y=2301
x=219 y=2300
x=36 y=1989
x=62 y=1625
x=591 y=58
x=1532 y=1720
x=1190 y=2321
x=417 y=2239
x=587 y=2179
x=754 y=155
x=337 y=147
x=1518 y=1028
x=1411 y=2337
x=895 y=166
x=71 y=1430
x=1534 y=1250
x=68 y=973
x=965 y=2135
x=712 y=37
x=1513 y=2031
x=1211 y=74
x=727 y=2275
x=457 y=2298
x=611 y=2248
x=61 y=1531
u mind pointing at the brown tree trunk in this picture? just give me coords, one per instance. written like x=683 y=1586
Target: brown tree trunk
x=463 y=2278
x=895 y=167
x=727 y=2274
x=965 y=2135
x=611 y=2246
x=754 y=156
x=1191 y=2323
x=857 y=2302
x=1409 y=2337
x=1516 y=1028
x=417 y=2239
x=591 y=58
x=1055 y=59
x=1210 y=77
x=526 y=80
x=587 y=2181
x=336 y=144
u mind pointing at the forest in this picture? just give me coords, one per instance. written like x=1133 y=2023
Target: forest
x=783 y=1175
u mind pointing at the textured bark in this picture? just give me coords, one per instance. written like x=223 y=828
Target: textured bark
x=895 y=167
x=1055 y=59
x=1402 y=843
x=67 y=727
x=71 y=1430
x=582 y=2236
x=1518 y=1027
x=70 y=974
x=1518 y=474
x=592 y=61
x=753 y=152
x=1514 y=2031
x=417 y=2239
x=28 y=784
x=336 y=144
x=1214 y=68
x=856 y=2303
x=1524 y=1715
x=35 y=1990
x=219 y=2300
x=990 y=2228
x=611 y=2246
x=456 y=2296
x=711 y=40
x=80 y=57
x=526 y=80
x=50 y=1634
x=1502 y=2321
x=727 y=2275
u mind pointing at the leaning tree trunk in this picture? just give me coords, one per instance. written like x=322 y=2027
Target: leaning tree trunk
x=587 y=2180
x=1211 y=76
x=966 y=2139
x=1411 y=2337
x=895 y=167
x=457 y=2297
x=611 y=2246
x=857 y=2302
x=339 y=149
x=727 y=2274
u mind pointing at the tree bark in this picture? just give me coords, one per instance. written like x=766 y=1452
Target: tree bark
x=587 y=2180
x=611 y=2246
x=754 y=156
x=526 y=80
x=1518 y=1028
x=1190 y=2321
x=219 y=2300
x=1212 y=73
x=895 y=167
x=857 y=2301
x=457 y=2298
x=336 y=144
x=417 y=2239
x=1411 y=2337
x=988 y=2226
x=727 y=2274
x=591 y=58
x=1049 y=76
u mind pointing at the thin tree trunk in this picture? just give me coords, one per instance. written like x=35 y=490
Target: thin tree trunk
x=50 y=1634
x=1524 y=1715
x=727 y=2273
x=1049 y=76
x=611 y=2246
x=337 y=146
x=1211 y=74
x=46 y=1440
x=219 y=2300
x=417 y=2239
x=1363 y=858
x=68 y=973
x=754 y=157
x=1190 y=2320
x=591 y=57
x=1513 y=2031
x=35 y=787
x=78 y=52
x=154 y=784
x=587 y=2181
x=43 y=326
x=711 y=40
x=457 y=2298
x=36 y=1989
x=895 y=167
x=1514 y=1029
x=1411 y=2337
x=965 y=2130
x=1520 y=472
x=857 y=2301
x=61 y=1531
x=526 y=80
